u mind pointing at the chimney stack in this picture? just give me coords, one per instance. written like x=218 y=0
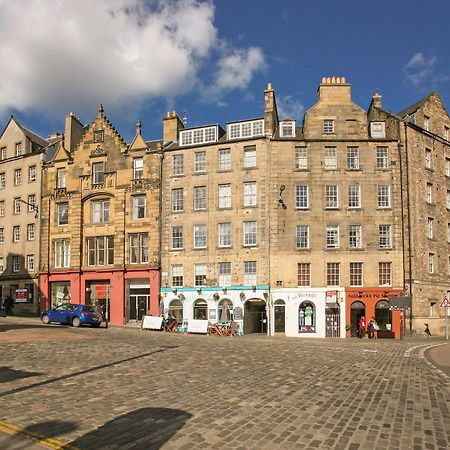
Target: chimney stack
x=73 y=132
x=376 y=100
x=270 y=111
x=334 y=90
x=172 y=124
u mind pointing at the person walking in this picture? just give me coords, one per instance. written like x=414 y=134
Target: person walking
x=8 y=304
x=372 y=328
x=362 y=327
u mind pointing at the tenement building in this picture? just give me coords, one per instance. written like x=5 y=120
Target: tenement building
x=20 y=193
x=100 y=221
x=302 y=228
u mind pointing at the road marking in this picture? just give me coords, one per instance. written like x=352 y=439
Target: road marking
x=15 y=430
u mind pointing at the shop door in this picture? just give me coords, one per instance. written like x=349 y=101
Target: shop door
x=255 y=318
x=279 y=319
x=138 y=307
x=357 y=310
x=332 y=322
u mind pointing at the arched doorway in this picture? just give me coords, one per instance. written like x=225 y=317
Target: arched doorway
x=280 y=317
x=306 y=317
x=357 y=310
x=225 y=310
x=200 y=309
x=383 y=316
x=332 y=320
x=255 y=317
x=176 y=310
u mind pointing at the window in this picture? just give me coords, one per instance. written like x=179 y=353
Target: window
x=355 y=236
x=384 y=236
x=3 y=153
x=17 y=206
x=447 y=167
x=2 y=180
x=18 y=148
x=100 y=211
x=17 y=177
x=100 y=250
x=200 y=275
x=331 y=197
x=287 y=128
x=200 y=162
x=239 y=130
x=199 y=198
x=302 y=237
x=198 y=135
x=431 y=265
x=354 y=196
x=225 y=159
x=16 y=233
x=333 y=274
x=306 y=317
x=382 y=158
x=249 y=157
x=304 y=274
x=428 y=155
x=448 y=199
x=301 y=158
x=61 y=175
x=178 y=164
x=62 y=253
x=250 y=194
x=99 y=136
x=250 y=273
x=430 y=228
x=16 y=264
x=30 y=263
x=32 y=203
x=353 y=158
x=384 y=273
x=177 y=237
x=250 y=234
x=32 y=173
x=2 y=235
x=446 y=133
x=138 y=168
x=426 y=123
x=225 y=234
x=224 y=274
x=177 y=275
x=200 y=309
x=333 y=237
x=177 y=200
x=330 y=158
x=139 y=206
x=31 y=232
x=2 y=208
x=377 y=130
x=2 y=264
x=301 y=197
x=200 y=236
x=224 y=195
x=356 y=274
x=98 y=173
x=430 y=194
x=384 y=196
x=138 y=248
x=328 y=126
x=62 y=212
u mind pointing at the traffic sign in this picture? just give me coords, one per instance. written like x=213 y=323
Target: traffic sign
x=445 y=303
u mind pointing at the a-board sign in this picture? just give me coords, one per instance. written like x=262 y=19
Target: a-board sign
x=197 y=326
x=152 y=322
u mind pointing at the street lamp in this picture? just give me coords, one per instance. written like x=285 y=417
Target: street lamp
x=32 y=206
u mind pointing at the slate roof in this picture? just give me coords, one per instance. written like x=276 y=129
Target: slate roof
x=414 y=107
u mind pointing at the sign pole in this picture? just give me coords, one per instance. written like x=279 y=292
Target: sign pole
x=446 y=322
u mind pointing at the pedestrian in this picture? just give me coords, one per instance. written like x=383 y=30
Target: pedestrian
x=362 y=327
x=8 y=305
x=427 y=330
x=373 y=326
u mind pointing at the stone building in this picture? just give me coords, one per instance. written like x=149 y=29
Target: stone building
x=100 y=221
x=20 y=192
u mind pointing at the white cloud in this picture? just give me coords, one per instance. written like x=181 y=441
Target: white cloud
x=67 y=55
x=290 y=107
x=419 y=68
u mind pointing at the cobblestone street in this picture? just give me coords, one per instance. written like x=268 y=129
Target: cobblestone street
x=126 y=388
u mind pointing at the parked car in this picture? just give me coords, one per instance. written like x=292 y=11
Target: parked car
x=72 y=314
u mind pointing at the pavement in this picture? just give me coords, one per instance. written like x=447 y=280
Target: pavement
x=121 y=388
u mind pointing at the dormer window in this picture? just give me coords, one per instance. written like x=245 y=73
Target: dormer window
x=287 y=128
x=248 y=129
x=138 y=168
x=377 y=130
x=98 y=173
x=328 y=126
x=99 y=136
x=426 y=123
x=198 y=135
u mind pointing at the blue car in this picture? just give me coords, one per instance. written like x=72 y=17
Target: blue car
x=72 y=314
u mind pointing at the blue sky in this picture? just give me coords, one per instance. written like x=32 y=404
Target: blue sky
x=212 y=60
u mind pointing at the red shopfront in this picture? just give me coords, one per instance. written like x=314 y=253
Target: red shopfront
x=374 y=302
x=94 y=286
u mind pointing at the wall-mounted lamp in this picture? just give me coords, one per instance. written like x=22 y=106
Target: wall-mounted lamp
x=216 y=296
x=242 y=296
x=181 y=297
x=224 y=289
x=199 y=290
x=266 y=295
x=280 y=200
x=174 y=290
x=254 y=288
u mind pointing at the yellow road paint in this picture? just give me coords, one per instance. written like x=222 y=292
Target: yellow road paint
x=14 y=430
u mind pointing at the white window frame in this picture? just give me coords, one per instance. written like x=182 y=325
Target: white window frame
x=331 y=158
x=16 y=233
x=384 y=196
x=224 y=196
x=426 y=123
x=15 y=263
x=62 y=212
x=250 y=157
x=140 y=245
x=301 y=196
x=355 y=236
x=301 y=158
x=385 y=236
x=354 y=196
x=431 y=263
x=2 y=208
x=382 y=157
x=250 y=233
x=224 y=234
x=195 y=136
x=428 y=158
x=30 y=263
x=328 y=126
x=177 y=200
x=353 y=162
x=17 y=177
x=139 y=206
x=2 y=180
x=446 y=133
x=356 y=271
x=2 y=235
x=250 y=194
x=429 y=194
x=447 y=167
x=100 y=211
x=31 y=232
x=377 y=130
x=332 y=237
x=302 y=237
x=200 y=162
x=98 y=173
x=248 y=129
x=138 y=168
x=200 y=274
x=331 y=196
x=17 y=206
x=177 y=238
x=61 y=177
x=177 y=275
x=224 y=273
x=31 y=174
x=287 y=128
x=178 y=164
x=61 y=253
x=200 y=198
x=200 y=236
x=430 y=228
x=224 y=159
x=32 y=203
x=250 y=273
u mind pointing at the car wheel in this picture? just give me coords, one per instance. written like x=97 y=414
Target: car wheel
x=76 y=322
x=45 y=319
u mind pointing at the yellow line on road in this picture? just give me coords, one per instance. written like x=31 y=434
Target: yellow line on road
x=15 y=430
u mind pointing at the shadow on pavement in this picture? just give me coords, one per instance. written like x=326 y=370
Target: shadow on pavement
x=8 y=374
x=148 y=428
x=51 y=429
x=18 y=326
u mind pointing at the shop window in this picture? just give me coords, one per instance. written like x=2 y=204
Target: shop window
x=176 y=310
x=200 y=309
x=59 y=293
x=383 y=315
x=225 y=310
x=306 y=318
